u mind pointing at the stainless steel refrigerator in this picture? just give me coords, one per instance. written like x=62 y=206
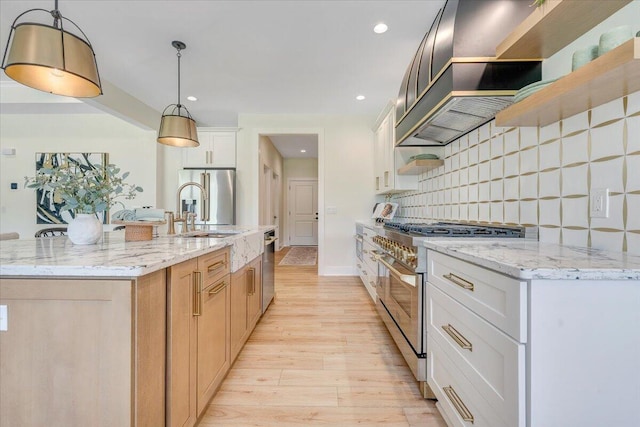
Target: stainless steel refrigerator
x=220 y=186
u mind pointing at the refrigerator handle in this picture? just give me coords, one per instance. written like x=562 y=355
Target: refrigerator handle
x=205 y=178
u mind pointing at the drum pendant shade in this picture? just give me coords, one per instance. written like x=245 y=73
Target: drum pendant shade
x=51 y=59
x=177 y=127
x=178 y=131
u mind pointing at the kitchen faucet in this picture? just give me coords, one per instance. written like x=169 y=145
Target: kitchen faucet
x=184 y=216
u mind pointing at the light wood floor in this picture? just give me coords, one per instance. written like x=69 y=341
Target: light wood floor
x=320 y=356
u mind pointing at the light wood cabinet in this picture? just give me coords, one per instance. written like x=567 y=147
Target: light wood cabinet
x=254 y=298
x=214 y=355
x=246 y=297
x=181 y=345
x=96 y=343
x=217 y=149
x=198 y=334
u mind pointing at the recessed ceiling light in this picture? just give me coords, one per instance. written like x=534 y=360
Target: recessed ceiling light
x=380 y=28
x=303 y=151
x=360 y=97
x=192 y=98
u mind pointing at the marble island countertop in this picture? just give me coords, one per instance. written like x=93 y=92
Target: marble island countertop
x=113 y=257
x=530 y=259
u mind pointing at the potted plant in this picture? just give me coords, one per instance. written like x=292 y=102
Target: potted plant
x=84 y=192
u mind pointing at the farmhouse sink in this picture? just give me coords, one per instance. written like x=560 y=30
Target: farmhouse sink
x=213 y=233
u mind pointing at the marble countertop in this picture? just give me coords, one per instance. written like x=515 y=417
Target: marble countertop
x=530 y=259
x=113 y=257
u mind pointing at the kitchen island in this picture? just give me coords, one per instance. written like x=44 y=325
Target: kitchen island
x=122 y=333
x=524 y=333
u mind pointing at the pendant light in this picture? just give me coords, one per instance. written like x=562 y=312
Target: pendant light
x=177 y=127
x=50 y=58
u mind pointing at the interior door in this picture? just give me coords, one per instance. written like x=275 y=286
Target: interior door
x=303 y=212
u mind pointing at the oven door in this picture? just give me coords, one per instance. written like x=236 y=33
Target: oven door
x=402 y=296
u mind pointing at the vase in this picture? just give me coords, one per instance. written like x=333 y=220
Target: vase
x=85 y=229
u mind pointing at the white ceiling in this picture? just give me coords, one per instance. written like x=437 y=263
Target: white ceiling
x=292 y=145
x=249 y=57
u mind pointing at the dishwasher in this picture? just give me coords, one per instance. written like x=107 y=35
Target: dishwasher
x=268 y=264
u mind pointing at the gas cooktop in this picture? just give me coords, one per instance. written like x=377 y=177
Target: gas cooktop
x=446 y=229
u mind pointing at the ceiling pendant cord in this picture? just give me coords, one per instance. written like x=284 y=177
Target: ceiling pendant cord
x=50 y=58
x=179 y=55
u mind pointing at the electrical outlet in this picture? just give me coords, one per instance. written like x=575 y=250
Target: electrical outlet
x=599 y=203
x=4 y=321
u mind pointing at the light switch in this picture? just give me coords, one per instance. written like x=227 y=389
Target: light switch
x=599 y=203
x=332 y=210
x=4 y=321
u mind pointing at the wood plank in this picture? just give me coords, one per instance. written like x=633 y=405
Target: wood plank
x=286 y=416
x=554 y=25
x=274 y=396
x=611 y=76
x=417 y=167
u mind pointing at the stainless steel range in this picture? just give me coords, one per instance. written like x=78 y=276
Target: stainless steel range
x=401 y=285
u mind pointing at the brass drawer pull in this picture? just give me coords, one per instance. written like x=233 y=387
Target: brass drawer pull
x=458 y=404
x=458 y=337
x=216 y=266
x=252 y=272
x=465 y=284
x=197 y=293
x=217 y=289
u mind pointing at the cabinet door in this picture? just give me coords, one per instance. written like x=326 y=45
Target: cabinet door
x=223 y=150
x=378 y=159
x=217 y=150
x=213 y=340
x=181 y=344
x=239 y=325
x=389 y=172
x=254 y=295
x=67 y=347
x=198 y=157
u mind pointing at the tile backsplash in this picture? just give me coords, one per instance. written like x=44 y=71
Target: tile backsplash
x=542 y=177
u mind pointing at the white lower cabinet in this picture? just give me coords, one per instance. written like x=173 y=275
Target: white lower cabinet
x=506 y=352
x=489 y=363
x=367 y=266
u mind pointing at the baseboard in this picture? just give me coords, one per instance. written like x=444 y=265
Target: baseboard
x=338 y=270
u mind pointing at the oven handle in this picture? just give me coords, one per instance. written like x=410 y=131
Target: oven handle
x=409 y=279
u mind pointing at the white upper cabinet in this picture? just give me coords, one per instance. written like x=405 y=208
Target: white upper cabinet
x=388 y=159
x=217 y=150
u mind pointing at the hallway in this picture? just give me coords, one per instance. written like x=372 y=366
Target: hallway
x=320 y=356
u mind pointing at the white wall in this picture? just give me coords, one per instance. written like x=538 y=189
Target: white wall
x=345 y=177
x=129 y=147
x=560 y=64
x=300 y=168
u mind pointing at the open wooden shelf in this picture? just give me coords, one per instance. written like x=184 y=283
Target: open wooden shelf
x=554 y=25
x=611 y=76
x=417 y=167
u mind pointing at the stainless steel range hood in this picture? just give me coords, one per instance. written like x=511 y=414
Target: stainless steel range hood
x=454 y=82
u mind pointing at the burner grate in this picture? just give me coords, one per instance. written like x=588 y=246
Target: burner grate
x=455 y=230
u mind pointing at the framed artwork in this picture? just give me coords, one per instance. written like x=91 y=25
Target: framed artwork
x=47 y=205
x=385 y=210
